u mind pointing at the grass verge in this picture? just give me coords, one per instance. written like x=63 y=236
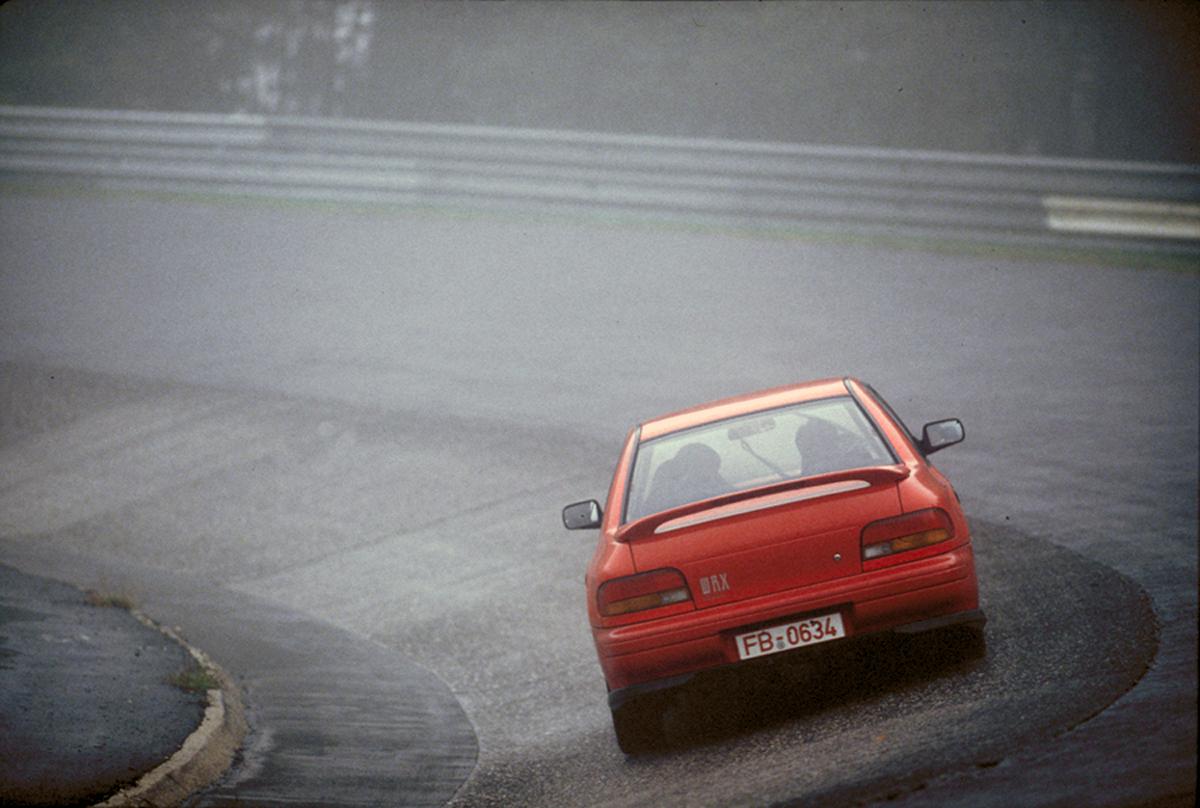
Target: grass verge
x=969 y=245
x=110 y=600
x=194 y=679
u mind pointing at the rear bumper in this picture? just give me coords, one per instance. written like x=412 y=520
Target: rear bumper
x=923 y=595
x=973 y=617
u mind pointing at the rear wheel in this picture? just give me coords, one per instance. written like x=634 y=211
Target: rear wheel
x=953 y=644
x=969 y=641
x=965 y=642
x=638 y=725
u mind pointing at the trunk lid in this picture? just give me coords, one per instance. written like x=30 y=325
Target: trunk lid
x=768 y=540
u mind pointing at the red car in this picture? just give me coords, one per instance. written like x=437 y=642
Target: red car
x=765 y=523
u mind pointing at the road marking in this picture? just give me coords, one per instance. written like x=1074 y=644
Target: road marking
x=1123 y=217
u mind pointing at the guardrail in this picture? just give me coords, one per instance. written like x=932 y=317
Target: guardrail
x=949 y=195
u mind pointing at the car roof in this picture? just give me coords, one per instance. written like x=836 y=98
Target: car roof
x=743 y=404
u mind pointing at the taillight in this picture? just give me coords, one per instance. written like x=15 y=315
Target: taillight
x=906 y=532
x=648 y=590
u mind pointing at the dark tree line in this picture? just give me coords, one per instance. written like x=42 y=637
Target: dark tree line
x=1090 y=79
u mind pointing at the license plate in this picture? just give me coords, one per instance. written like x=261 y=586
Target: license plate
x=786 y=636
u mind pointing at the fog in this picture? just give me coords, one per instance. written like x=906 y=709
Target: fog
x=1108 y=80
x=335 y=352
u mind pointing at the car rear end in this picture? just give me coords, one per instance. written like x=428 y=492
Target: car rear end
x=764 y=582
x=780 y=561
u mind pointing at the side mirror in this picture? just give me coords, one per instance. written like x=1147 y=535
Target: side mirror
x=582 y=515
x=940 y=434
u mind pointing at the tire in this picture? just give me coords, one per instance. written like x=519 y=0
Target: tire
x=967 y=642
x=953 y=644
x=638 y=726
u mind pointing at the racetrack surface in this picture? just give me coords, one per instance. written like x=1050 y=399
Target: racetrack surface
x=63 y=711
x=373 y=419
x=515 y=651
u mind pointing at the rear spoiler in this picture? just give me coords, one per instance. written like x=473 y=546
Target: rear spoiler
x=754 y=499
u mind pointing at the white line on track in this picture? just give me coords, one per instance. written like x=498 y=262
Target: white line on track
x=1124 y=217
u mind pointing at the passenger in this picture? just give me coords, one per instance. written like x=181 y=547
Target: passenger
x=824 y=448
x=691 y=475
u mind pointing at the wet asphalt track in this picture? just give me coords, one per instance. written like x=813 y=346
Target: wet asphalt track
x=62 y=710
x=392 y=408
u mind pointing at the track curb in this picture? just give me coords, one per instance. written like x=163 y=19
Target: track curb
x=206 y=754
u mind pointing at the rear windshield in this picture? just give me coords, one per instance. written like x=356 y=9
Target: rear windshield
x=752 y=450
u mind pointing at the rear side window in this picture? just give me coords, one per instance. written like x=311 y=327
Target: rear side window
x=752 y=450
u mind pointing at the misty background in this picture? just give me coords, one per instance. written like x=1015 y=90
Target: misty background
x=349 y=373
x=1101 y=80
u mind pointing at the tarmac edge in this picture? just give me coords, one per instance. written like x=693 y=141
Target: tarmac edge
x=205 y=755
